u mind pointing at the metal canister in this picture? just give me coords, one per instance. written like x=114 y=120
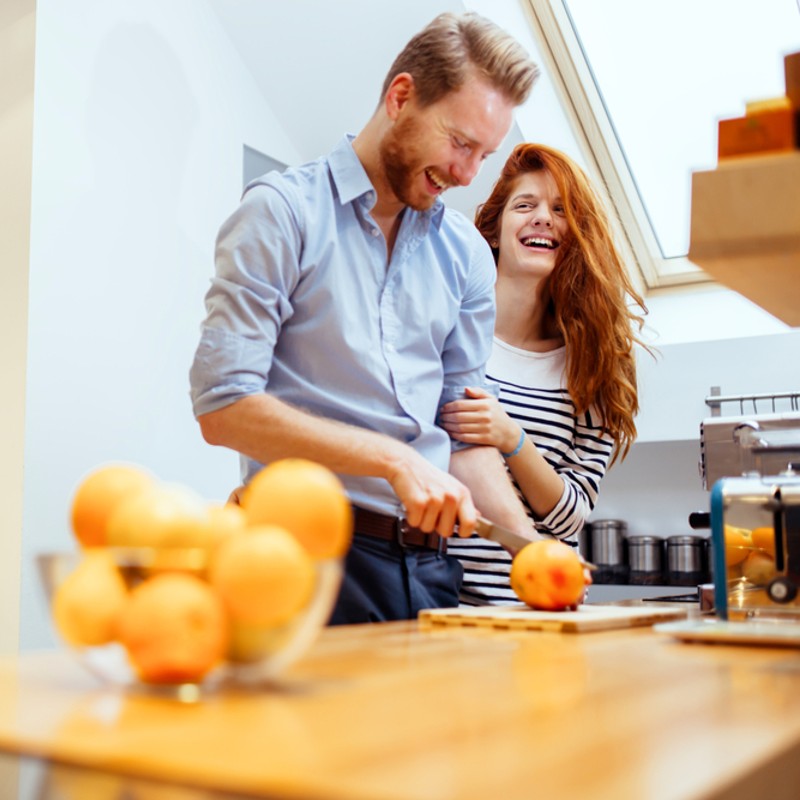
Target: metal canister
x=686 y=560
x=646 y=560
x=609 y=551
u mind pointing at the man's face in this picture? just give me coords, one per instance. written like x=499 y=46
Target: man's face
x=429 y=150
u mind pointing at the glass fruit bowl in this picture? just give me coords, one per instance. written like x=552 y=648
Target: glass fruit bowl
x=160 y=619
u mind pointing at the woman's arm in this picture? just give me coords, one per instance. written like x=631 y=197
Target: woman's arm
x=561 y=496
x=481 y=419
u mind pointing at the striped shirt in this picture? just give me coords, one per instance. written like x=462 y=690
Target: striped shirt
x=533 y=392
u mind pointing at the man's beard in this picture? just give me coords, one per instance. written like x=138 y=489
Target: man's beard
x=401 y=164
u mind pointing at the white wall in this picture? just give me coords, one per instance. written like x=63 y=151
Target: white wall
x=141 y=113
x=674 y=384
x=706 y=313
x=17 y=37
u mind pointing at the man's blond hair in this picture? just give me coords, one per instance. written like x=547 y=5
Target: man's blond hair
x=456 y=47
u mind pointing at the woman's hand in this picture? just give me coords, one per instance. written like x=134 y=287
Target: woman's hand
x=479 y=419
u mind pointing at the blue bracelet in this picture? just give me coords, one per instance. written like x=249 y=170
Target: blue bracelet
x=517 y=448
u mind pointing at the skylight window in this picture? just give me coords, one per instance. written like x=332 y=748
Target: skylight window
x=657 y=78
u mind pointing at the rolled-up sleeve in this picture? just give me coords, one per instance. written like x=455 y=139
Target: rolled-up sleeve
x=248 y=301
x=226 y=367
x=469 y=344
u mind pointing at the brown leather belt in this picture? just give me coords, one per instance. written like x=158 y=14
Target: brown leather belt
x=396 y=529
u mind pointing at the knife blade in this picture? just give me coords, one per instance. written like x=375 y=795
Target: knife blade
x=497 y=533
x=513 y=541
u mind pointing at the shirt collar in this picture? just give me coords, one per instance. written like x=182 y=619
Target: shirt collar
x=352 y=181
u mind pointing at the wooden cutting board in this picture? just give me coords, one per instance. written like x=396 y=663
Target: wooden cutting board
x=519 y=617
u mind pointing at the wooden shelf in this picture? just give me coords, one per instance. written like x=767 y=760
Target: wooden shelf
x=746 y=229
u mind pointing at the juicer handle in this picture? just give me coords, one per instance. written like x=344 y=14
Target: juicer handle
x=699 y=520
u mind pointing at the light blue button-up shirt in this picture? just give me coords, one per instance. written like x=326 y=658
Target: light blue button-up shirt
x=304 y=306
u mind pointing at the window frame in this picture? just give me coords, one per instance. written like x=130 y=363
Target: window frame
x=582 y=102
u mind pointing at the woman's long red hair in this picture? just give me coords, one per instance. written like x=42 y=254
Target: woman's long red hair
x=589 y=293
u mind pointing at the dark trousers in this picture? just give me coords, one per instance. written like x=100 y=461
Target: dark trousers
x=384 y=581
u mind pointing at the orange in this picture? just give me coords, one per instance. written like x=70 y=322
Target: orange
x=738 y=544
x=306 y=499
x=164 y=515
x=251 y=643
x=224 y=521
x=173 y=628
x=764 y=539
x=98 y=494
x=263 y=575
x=88 y=602
x=759 y=568
x=548 y=574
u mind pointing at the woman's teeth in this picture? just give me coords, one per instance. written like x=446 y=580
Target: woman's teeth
x=536 y=241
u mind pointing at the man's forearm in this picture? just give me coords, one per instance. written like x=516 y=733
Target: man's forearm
x=482 y=471
x=265 y=429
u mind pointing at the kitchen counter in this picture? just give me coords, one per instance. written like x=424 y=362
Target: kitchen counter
x=400 y=711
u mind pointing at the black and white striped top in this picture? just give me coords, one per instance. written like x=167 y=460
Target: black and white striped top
x=533 y=393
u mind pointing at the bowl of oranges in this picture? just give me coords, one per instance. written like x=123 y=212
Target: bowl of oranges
x=167 y=591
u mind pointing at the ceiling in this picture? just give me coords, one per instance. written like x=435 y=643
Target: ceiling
x=320 y=66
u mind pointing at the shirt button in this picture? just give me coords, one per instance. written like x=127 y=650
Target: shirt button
x=390 y=347
x=375 y=232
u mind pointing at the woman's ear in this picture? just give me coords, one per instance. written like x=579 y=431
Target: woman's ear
x=400 y=91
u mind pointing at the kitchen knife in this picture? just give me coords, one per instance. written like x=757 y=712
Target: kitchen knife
x=513 y=541
x=497 y=533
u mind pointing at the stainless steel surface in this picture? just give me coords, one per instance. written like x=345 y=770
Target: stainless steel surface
x=608 y=551
x=686 y=560
x=645 y=553
x=758 y=403
x=501 y=535
x=646 y=560
x=770 y=502
x=736 y=445
x=685 y=553
x=608 y=542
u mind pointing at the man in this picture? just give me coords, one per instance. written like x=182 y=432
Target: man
x=349 y=303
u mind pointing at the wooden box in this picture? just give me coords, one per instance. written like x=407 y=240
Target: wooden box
x=791 y=70
x=761 y=132
x=745 y=229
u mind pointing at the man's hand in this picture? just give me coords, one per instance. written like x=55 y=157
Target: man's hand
x=479 y=419
x=433 y=500
x=235 y=497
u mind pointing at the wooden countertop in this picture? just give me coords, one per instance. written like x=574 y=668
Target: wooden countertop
x=399 y=711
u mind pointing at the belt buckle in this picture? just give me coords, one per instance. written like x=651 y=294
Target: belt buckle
x=402 y=526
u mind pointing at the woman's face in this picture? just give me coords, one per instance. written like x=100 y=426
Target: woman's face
x=532 y=227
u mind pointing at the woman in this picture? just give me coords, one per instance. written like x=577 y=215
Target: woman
x=563 y=355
